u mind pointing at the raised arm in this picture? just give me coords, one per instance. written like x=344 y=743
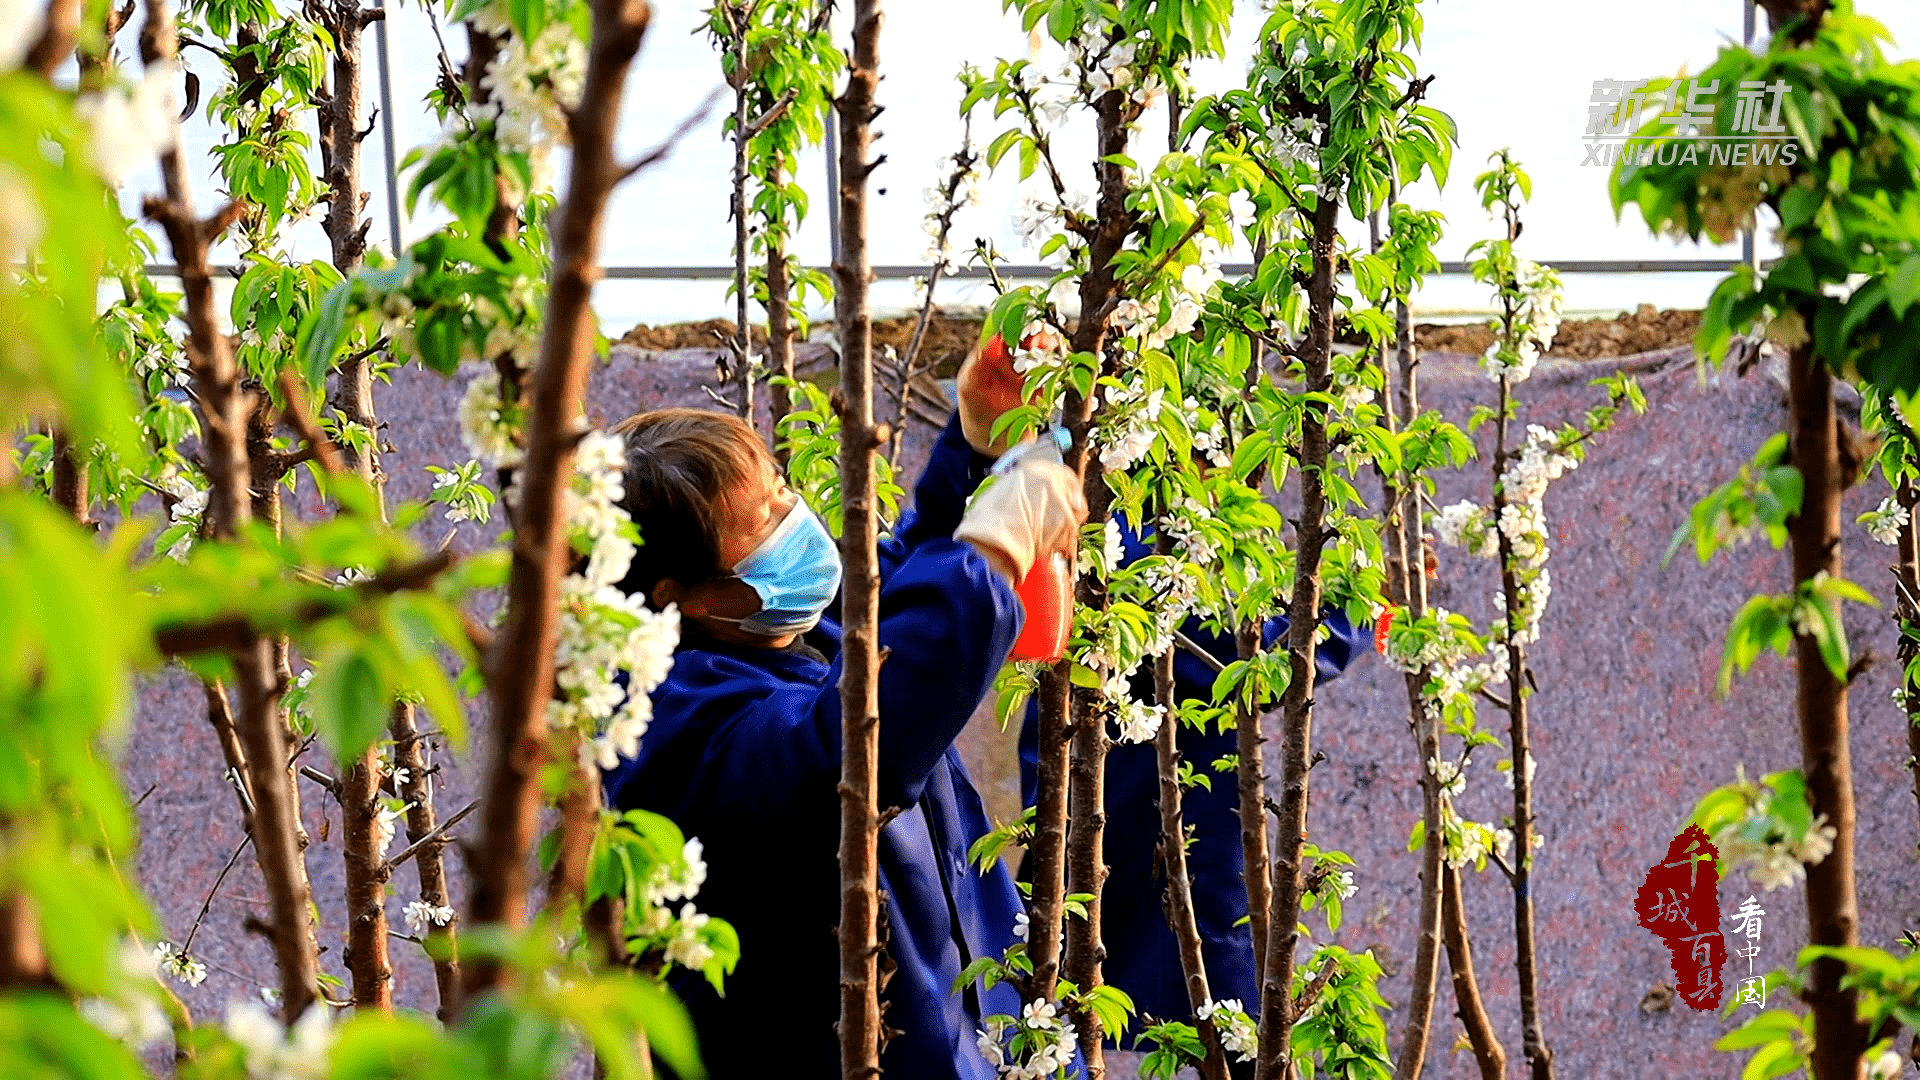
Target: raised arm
x=946 y=623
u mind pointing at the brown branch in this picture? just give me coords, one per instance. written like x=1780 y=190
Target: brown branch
x=780 y=328
x=1250 y=773
x=1173 y=858
x=369 y=963
x=429 y=863
x=1833 y=911
x=774 y=112
x=521 y=668
x=223 y=412
x=319 y=446
x=1086 y=855
x=741 y=346
x=1487 y=1051
x=207 y=904
x=331 y=785
x=579 y=819
x=666 y=146
x=1189 y=645
x=60 y=28
x=232 y=631
x=220 y=716
x=860 y=1029
x=1311 y=992
x=436 y=836
x=1406 y=589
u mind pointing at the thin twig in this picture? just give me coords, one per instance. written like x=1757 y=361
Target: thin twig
x=773 y=113
x=1193 y=647
x=207 y=904
x=1312 y=993
x=318 y=777
x=1501 y=863
x=324 y=451
x=232 y=631
x=654 y=156
x=433 y=837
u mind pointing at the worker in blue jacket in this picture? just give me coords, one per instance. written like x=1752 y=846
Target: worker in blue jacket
x=744 y=747
x=1142 y=957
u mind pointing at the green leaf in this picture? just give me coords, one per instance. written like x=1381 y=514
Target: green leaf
x=349 y=702
x=1904 y=286
x=322 y=332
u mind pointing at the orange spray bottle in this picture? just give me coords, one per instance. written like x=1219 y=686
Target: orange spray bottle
x=1047 y=591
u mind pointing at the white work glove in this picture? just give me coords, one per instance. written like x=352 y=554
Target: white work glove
x=1026 y=515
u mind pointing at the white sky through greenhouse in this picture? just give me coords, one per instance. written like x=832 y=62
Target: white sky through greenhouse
x=1514 y=73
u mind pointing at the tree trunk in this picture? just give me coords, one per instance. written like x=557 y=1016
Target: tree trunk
x=1086 y=859
x=1832 y=910
x=779 y=328
x=1276 y=1004
x=521 y=665
x=579 y=818
x=220 y=716
x=738 y=14
x=1519 y=682
x=1251 y=774
x=1049 y=850
x=1173 y=858
x=1487 y=1051
x=1250 y=771
x=1060 y=707
x=352 y=398
x=23 y=960
x=1906 y=609
x=859 y=1026
x=223 y=413
x=70 y=479
x=367 y=958
x=1406 y=589
x=430 y=864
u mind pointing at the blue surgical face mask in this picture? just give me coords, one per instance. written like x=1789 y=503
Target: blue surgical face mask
x=796 y=573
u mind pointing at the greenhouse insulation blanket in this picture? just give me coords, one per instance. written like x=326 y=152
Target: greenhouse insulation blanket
x=1627 y=729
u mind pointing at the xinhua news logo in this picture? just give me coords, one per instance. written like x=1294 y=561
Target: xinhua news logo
x=1700 y=133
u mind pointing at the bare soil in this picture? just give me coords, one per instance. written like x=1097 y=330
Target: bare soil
x=947 y=342
x=1644 y=330
x=950 y=337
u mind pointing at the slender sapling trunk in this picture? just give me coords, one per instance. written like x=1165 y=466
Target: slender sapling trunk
x=859 y=1027
x=521 y=666
x=1276 y=1004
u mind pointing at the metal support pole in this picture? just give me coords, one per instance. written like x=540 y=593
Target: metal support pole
x=832 y=148
x=1749 y=251
x=386 y=132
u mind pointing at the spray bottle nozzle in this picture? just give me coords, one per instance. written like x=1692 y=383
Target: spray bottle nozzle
x=1051 y=445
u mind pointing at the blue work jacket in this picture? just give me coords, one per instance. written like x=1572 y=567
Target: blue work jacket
x=1143 y=958
x=744 y=753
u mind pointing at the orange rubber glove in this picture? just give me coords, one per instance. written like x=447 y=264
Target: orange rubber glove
x=988 y=388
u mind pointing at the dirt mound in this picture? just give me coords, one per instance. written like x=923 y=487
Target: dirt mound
x=1642 y=330
x=950 y=337
x=707 y=334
